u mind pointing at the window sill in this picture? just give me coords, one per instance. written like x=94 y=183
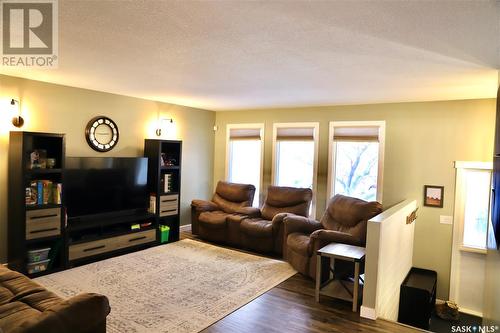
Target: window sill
x=479 y=250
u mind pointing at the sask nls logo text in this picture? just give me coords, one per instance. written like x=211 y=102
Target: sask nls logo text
x=29 y=33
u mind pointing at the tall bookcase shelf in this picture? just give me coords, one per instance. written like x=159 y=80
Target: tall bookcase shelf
x=35 y=209
x=164 y=181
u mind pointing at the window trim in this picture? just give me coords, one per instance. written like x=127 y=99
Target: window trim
x=332 y=150
x=261 y=128
x=458 y=214
x=457 y=247
x=315 y=126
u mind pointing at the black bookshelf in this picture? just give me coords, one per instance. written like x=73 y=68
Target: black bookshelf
x=35 y=225
x=164 y=181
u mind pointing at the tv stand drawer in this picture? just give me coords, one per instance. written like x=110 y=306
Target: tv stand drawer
x=89 y=249
x=43 y=223
x=169 y=205
x=92 y=248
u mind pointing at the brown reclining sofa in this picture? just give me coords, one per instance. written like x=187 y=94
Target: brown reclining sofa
x=27 y=307
x=230 y=219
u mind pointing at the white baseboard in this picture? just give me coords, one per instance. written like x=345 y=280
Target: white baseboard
x=471 y=312
x=368 y=313
x=186 y=227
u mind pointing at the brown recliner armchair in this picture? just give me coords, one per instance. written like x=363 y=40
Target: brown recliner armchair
x=209 y=219
x=262 y=231
x=344 y=221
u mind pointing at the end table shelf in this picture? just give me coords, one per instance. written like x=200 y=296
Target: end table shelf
x=345 y=290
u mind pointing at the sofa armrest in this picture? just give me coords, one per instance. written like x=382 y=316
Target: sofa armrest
x=330 y=236
x=296 y=223
x=79 y=314
x=279 y=220
x=248 y=211
x=204 y=206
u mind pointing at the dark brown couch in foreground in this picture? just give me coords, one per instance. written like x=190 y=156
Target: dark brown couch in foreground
x=262 y=231
x=27 y=307
x=219 y=220
x=344 y=221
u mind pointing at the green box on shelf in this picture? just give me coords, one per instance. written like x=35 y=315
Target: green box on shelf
x=164 y=231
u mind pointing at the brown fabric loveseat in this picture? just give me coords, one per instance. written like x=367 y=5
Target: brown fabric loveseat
x=219 y=220
x=27 y=307
x=262 y=231
x=345 y=221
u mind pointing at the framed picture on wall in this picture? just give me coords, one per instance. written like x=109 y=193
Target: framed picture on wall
x=433 y=196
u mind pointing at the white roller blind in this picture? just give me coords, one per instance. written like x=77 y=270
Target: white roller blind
x=244 y=134
x=295 y=133
x=365 y=133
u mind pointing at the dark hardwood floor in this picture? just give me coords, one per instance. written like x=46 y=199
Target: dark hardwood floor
x=290 y=307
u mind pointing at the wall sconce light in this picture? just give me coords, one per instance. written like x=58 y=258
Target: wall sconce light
x=17 y=120
x=161 y=124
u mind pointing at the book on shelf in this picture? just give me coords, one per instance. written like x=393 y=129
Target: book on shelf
x=39 y=191
x=47 y=191
x=43 y=192
x=152 y=204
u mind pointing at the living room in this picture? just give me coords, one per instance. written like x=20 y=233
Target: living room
x=203 y=77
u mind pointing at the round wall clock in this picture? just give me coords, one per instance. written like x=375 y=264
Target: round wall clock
x=102 y=134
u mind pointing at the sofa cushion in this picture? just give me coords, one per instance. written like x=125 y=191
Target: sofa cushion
x=213 y=220
x=299 y=243
x=231 y=196
x=257 y=227
x=282 y=199
x=241 y=193
x=347 y=212
x=42 y=300
x=14 y=285
x=13 y=314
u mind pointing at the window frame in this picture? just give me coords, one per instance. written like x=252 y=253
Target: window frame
x=261 y=128
x=459 y=210
x=274 y=174
x=332 y=151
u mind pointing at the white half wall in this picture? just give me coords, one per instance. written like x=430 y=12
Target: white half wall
x=389 y=257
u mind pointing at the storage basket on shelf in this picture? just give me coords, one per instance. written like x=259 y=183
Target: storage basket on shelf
x=37 y=267
x=38 y=255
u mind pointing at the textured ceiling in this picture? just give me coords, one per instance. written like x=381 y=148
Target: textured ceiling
x=222 y=55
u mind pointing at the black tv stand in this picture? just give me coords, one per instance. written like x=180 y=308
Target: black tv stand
x=82 y=223
x=97 y=237
x=39 y=222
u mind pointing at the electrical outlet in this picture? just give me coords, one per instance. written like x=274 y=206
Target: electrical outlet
x=445 y=219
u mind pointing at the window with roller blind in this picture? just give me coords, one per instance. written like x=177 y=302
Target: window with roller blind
x=244 y=155
x=356 y=159
x=295 y=156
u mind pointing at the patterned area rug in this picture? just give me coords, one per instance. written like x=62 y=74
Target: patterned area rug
x=180 y=287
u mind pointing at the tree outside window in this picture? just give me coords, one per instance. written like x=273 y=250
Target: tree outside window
x=356 y=169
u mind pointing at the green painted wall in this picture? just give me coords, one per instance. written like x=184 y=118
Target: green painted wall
x=422 y=142
x=60 y=109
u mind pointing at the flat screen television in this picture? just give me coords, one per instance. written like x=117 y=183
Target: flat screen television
x=100 y=185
